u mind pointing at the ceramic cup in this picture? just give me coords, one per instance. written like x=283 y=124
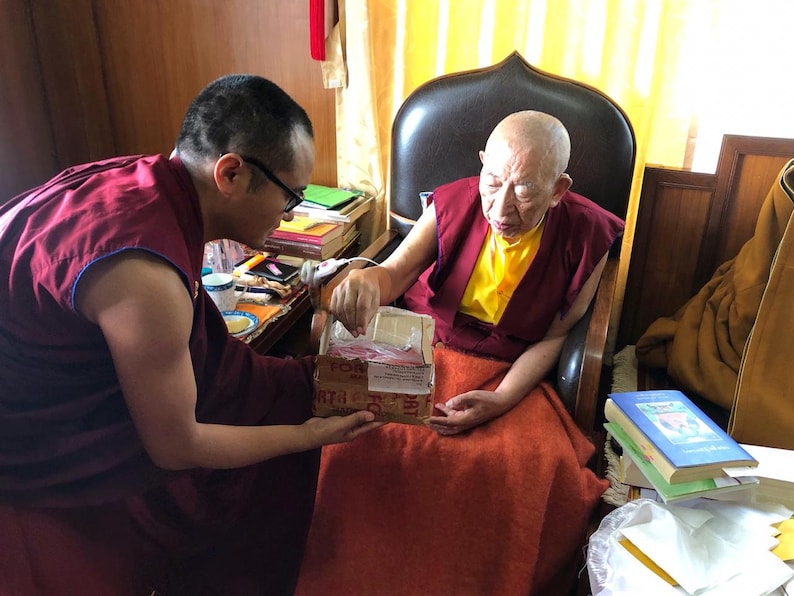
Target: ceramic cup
x=221 y=288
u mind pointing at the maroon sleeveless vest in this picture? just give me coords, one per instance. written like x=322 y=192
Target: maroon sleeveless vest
x=576 y=235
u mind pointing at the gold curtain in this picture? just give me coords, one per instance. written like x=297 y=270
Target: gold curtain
x=636 y=51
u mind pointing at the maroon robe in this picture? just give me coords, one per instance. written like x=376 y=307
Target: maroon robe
x=576 y=235
x=69 y=452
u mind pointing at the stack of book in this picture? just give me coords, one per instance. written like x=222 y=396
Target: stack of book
x=673 y=446
x=307 y=239
x=325 y=224
x=775 y=473
x=336 y=205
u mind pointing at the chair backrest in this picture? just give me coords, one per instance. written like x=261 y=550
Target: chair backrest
x=441 y=126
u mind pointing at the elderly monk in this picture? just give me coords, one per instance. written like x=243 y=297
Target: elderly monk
x=496 y=500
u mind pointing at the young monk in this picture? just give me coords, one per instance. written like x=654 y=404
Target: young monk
x=142 y=447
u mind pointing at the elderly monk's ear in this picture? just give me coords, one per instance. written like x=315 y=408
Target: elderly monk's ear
x=228 y=173
x=561 y=186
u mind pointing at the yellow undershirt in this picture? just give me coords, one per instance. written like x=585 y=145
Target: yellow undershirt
x=499 y=268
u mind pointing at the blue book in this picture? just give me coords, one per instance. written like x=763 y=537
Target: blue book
x=674 y=435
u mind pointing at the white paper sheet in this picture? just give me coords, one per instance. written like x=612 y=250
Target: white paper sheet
x=711 y=548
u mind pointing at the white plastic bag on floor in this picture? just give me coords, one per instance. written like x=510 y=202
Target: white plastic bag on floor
x=611 y=568
x=693 y=543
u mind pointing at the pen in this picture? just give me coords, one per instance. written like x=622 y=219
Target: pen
x=249 y=264
x=255 y=290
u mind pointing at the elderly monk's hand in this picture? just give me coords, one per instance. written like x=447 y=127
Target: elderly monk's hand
x=467 y=410
x=356 y=300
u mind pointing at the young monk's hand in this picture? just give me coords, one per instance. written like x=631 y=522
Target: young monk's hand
x=341 y=429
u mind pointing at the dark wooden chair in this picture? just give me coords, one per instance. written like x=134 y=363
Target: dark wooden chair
x=436 y=136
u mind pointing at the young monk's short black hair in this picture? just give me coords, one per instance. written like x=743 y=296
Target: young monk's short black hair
x=246 y=114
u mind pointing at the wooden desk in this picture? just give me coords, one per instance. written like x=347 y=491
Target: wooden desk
x=295 y=322
x=289 y=335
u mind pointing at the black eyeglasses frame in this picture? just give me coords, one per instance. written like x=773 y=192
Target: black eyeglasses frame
x=293 y=198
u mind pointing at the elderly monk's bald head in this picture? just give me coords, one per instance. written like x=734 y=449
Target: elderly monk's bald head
x=541 y=132
x=523 y=172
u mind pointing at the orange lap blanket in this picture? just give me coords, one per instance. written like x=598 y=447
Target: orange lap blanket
x=502 y=509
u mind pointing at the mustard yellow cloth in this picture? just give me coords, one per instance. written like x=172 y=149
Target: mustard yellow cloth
x=704 y=345
x=763 y=410
x=499 y=267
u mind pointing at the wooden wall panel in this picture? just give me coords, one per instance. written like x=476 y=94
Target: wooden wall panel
x=71 y=69
x=88 y=79
x=746 y=169
x=157 y=56
x=671 y=220
x=27 y=152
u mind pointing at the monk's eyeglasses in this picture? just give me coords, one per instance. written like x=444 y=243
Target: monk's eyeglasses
x=293 y=198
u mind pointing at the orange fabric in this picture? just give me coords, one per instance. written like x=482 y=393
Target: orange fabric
x=500 y=510
x=263 y=312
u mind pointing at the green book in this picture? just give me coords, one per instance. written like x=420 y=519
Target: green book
x=681 y=490
x=325 y=197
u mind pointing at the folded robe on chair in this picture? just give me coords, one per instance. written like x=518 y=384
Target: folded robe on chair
x=501 y=509
x=731 y=342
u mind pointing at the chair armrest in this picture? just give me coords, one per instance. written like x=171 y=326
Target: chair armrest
x=569 y=366
x=582 y=356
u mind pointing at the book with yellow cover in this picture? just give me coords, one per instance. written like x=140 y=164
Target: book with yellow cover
x=298 y=223
x=320 y=234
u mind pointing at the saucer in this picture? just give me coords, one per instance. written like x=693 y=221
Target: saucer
x=239 y=322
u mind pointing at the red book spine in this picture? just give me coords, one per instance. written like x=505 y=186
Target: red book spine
x=297 y=237
x=306 y=238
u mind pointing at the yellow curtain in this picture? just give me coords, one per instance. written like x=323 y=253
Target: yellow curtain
x=639 y=52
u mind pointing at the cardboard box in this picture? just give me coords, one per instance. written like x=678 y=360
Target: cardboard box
x=394 y=392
